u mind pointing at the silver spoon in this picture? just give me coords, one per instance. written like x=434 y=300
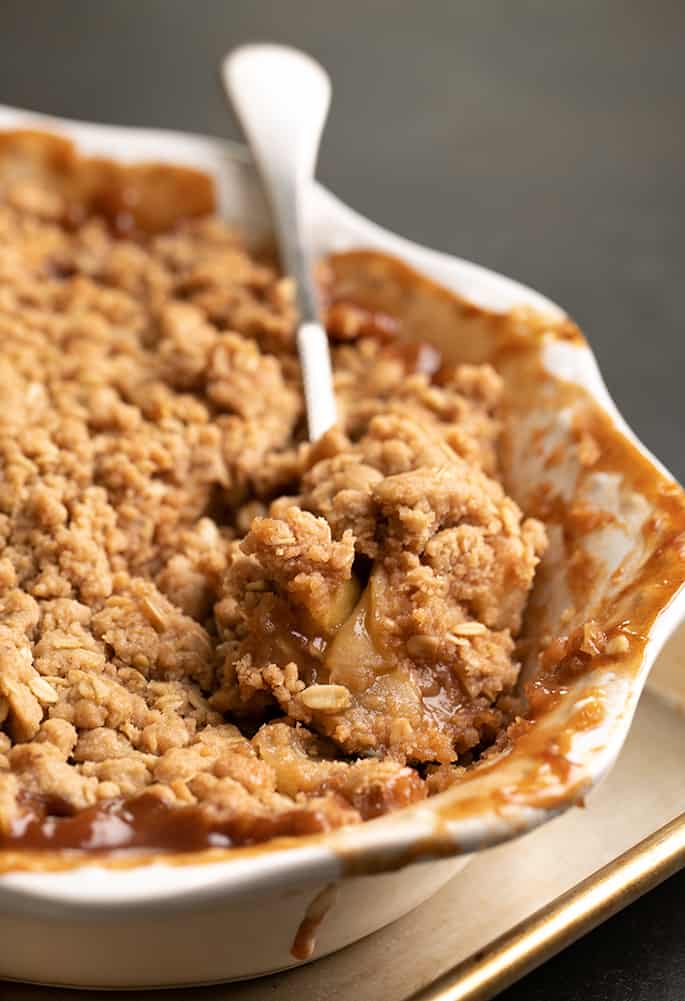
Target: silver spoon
x=281 y=97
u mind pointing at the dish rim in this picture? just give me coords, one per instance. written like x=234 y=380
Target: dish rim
x=413 y=833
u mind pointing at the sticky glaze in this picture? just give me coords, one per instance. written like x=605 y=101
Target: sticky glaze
x=140 y=198
x=304 y=942
x=146 y=824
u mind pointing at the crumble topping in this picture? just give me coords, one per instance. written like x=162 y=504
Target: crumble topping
x=195 y=603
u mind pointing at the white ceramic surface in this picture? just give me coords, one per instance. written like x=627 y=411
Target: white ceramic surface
x=160 y=924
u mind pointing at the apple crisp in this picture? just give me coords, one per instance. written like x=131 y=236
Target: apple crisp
x=197 y=606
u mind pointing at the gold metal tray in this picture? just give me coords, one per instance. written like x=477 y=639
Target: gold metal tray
x=516 y=905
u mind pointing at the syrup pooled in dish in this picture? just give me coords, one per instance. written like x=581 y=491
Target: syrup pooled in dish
x=205 y=621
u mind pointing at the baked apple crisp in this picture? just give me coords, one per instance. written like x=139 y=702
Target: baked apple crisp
x=198 y=609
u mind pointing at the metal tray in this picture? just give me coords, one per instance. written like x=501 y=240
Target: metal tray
x=516 y=905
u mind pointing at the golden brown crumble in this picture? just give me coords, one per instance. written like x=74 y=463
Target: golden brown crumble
x=195 y=603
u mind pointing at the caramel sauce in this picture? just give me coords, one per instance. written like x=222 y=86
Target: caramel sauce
x=134 y=199
x=145 y=824
x=305 y=938
x=425 y=324
x=420 y=357
x=348 y=320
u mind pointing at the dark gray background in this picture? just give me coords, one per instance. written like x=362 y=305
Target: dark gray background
x=545 y=140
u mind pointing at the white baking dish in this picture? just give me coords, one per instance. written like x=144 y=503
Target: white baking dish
x=169 y=922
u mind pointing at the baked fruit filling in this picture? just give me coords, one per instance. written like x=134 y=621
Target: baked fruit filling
x=199 y=608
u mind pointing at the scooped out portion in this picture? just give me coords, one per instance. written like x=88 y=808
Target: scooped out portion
x=378 y=606
x=208 y=625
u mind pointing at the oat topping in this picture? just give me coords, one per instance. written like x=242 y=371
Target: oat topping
x=195 y=603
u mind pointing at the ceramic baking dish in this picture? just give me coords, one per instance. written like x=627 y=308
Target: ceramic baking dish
x=166 y=921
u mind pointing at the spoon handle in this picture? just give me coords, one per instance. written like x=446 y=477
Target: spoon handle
x=281 y=97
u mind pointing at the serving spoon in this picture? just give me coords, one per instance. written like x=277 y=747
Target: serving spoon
x=281 y=97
